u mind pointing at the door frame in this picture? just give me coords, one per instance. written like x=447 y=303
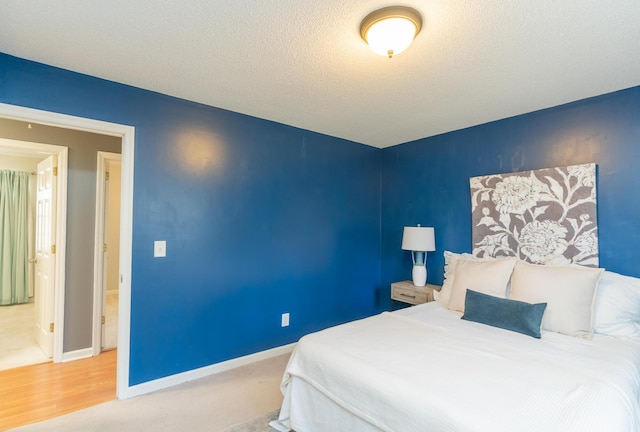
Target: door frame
x=98 y=255
x=59 y=258
x=127 y=134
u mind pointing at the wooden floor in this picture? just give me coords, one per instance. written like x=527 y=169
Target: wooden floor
x=34 y=393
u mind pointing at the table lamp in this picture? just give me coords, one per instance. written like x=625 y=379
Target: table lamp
x=419 y=240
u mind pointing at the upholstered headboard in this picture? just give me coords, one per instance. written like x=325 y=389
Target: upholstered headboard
x=542 y=216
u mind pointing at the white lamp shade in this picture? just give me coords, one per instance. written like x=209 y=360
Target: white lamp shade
x=419 y=238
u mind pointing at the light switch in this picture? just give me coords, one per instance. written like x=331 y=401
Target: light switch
x=159 y=248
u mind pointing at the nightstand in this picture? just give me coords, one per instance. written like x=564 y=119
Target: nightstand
x=407 y=292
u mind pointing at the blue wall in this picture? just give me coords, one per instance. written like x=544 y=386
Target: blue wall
x=259 y=218
x=262 y=218
x=427 y=181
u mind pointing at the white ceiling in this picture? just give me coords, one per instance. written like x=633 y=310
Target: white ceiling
x=303 y=63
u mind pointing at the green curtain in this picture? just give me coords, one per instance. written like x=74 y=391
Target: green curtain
x=14 y=237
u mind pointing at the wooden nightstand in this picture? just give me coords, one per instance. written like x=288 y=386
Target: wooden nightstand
x=407 y=292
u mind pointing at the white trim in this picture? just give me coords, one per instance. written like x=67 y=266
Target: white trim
x=77 y=354
x=126 y=244
x=28 y=148
x=126 y=215
x=98 y=251
x=172 y=380
x=59 y=263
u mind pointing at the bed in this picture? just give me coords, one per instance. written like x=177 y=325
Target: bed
x=425 y=369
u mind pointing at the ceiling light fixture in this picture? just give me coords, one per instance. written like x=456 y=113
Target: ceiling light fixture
x=390 y=30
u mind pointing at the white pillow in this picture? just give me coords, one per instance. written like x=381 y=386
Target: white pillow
x=450 y=260
x=487 y=277
x=617 y=310
x=568 y=290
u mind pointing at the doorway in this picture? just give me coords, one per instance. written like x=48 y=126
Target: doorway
x=17 y=315
x=126 y=133
x=107 y=251
x=30 y=325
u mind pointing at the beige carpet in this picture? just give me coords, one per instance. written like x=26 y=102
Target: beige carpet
x=210 y=404
x=258 y=424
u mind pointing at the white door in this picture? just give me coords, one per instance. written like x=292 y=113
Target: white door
x=111 y=255
x=45 y=244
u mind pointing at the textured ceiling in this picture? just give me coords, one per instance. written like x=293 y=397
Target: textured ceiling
x=303 y=63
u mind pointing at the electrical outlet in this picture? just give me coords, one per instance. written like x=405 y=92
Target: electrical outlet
x=159 y=248
x=285 y=319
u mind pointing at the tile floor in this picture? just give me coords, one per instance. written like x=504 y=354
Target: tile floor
x=17 y=342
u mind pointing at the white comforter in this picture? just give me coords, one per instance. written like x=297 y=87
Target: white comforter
x=424 y=369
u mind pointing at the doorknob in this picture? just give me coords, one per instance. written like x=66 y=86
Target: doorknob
x=33 y=260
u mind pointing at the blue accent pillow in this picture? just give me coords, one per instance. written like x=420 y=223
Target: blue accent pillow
x=507 y=314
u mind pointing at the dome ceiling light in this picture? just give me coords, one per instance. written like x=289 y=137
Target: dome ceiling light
x=390 y=30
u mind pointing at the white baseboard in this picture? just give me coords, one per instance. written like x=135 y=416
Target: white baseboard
x=172 y=380
x=77 y=354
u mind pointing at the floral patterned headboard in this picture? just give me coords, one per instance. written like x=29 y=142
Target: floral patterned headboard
x=544 y=216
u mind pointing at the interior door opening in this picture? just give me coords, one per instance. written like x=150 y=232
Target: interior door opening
x=46 y=267
x=127 y=136
x=18 y=346
x=107 y=252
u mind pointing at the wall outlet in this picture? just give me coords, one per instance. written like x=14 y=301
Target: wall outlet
x=159 y=248
x=285 y=319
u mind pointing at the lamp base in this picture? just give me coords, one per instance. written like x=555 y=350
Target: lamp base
x=419 y=274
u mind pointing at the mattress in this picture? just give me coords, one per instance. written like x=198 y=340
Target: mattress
x=423 y=368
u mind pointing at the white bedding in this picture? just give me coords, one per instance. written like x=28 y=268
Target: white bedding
x=424 y=369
